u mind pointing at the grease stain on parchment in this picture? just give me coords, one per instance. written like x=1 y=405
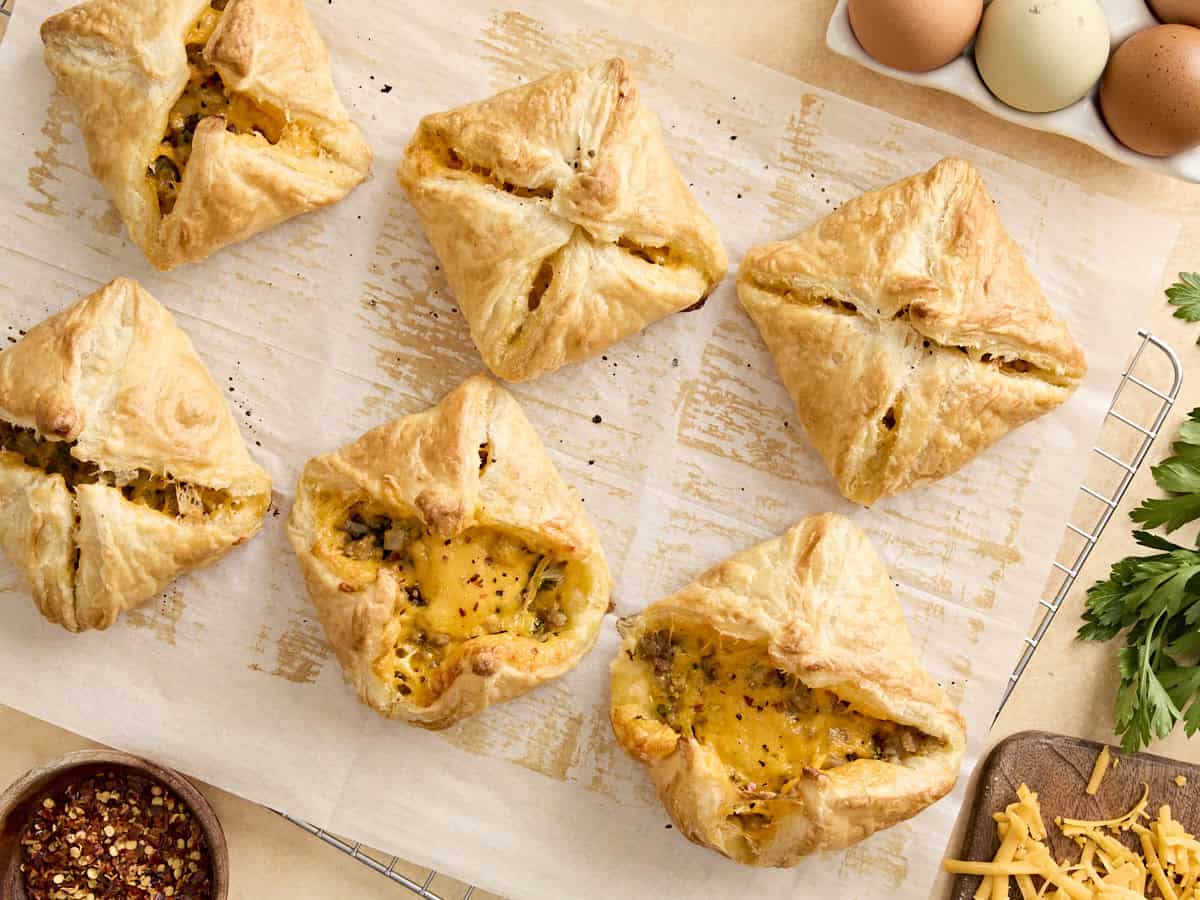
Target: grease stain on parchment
x=519 y=49
x=961 y=667
x=992 y=542
x=548 y=734
x=160 y=617
x=546 y=741
x=770 y=511
x=884 y=856
x=300 y=651
x=962 y=664
x=800 y=165
x=724 y=412
x=45 y=173
x=553 y=747
x=306 y=244
x=966 y=541
x=108 y=223
x=420 y=338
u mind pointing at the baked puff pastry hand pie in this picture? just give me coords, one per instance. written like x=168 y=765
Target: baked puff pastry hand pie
x=778 y=704
x=449 y=564
x=207 y=121
x=121 y=466
x=559 y=218
x=909 y=331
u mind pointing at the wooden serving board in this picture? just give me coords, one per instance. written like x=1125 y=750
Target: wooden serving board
x=1057 y=768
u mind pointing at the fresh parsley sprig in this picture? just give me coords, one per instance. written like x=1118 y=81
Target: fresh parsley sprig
x=1184 y=295
x=1155 y=601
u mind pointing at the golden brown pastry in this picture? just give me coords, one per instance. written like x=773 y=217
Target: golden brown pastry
x=778 y=704
x=909 y=331
x=207 y=121
x=121 y=466
x=449 y=564
x=561 y=222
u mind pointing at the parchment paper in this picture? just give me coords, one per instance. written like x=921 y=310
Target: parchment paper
x=337 y=321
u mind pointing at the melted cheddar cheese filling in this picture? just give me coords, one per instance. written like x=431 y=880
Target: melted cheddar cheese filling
x=161 y=492
x=206 y=95
x=480 y=582
x=766 y=725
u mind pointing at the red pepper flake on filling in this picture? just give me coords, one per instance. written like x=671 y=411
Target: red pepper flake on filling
x=114 y=835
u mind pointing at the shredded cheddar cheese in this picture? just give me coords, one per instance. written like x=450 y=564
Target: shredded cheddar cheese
x=1098 y=772
x=763 y=722
x=482 y=581
x=1164 y=864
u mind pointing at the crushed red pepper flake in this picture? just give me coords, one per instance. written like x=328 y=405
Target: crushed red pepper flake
x=115 y=836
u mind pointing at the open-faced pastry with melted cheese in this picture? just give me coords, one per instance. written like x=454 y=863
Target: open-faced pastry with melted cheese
x=121 y=465
x=448 y=562
x=778 y=704
x=207 y=121
x=909 y=331
x=560 y=219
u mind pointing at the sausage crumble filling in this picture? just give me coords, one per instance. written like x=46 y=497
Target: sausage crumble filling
x=207 y=95
x=161 y=492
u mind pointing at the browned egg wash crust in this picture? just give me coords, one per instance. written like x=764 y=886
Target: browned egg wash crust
x=543 y=278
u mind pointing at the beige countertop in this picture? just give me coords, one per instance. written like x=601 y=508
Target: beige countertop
x=1069 y=686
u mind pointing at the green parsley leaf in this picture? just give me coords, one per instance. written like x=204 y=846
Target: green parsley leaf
x=1191 y=718
x=1187 y=645
x=1178 y=474
x=1154 y=542
x=1154 y=601
x=1185 y=296
x=1170 y=513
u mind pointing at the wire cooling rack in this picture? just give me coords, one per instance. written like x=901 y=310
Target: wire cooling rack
x=1136 y=389
x=1154 y=403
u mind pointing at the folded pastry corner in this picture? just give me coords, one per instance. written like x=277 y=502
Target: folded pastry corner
x=449 y=564
x=559 y=218
x=206 y=121
x=121 y=466
x=778 y=704
x=909 y=331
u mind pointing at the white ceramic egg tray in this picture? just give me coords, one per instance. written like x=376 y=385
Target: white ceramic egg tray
x=1082 y=121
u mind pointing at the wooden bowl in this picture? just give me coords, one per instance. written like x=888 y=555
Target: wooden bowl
x=17 y=805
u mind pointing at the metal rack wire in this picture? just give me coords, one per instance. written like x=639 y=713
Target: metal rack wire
x=1110 y=500
x=356 y=851
x=1161 y=399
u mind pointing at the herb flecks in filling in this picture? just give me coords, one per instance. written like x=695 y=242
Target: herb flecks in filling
x=207 y=95
x=480 y=582
x=179 y=499
x=766 y=725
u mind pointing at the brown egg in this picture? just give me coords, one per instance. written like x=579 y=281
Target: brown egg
x=1150 y=94
x=915 y=35
x=1181 y=12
